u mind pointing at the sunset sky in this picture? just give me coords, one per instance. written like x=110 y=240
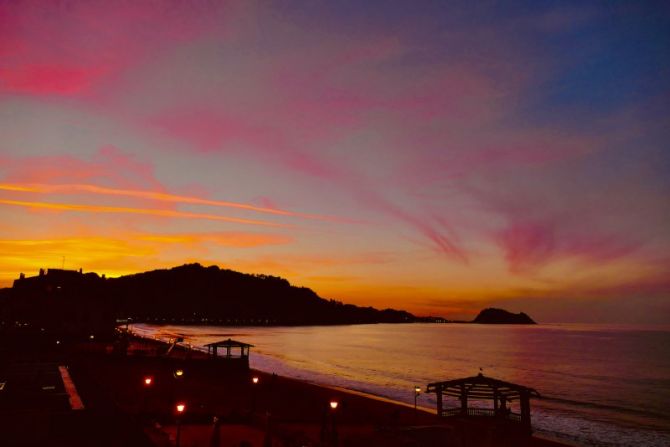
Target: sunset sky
x=433 y=156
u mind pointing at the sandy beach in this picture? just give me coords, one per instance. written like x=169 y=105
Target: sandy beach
x=287 y=411
x=222 y=405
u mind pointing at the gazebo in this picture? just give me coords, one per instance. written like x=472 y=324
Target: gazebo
x=480 y=387
x=230 y=346
x=212 y=348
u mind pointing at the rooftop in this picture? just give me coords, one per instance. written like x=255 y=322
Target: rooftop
x=229 y=343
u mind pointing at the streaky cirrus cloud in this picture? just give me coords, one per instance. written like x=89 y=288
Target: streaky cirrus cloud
x=530 y=245
x=137 y=211
x=348 y=89
x=115 y=173
x=224 y=238
x=334 y=93
x=153 y=195
x=585 y=209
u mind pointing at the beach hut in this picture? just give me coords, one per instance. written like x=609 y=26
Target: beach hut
x=478 y=388
x=235 y=351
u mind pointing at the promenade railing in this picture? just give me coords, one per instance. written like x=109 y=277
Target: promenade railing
x=482 y=412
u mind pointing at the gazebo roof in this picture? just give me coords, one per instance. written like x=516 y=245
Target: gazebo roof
x=481 y=387
x=229 y=343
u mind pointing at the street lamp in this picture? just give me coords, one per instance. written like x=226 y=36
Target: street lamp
x=181 y=408
x=417 y=391
x=179 y=373
x=148 y=382
x=254 y=382
x=333 y=423
x=328 y=429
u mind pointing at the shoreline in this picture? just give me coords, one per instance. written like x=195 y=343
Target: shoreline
x=575 y=406
x=377 y=409
x=277 y=411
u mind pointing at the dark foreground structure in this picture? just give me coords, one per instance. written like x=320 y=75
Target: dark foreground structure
x=131 y=391
x=241 y=357
x=502 y=394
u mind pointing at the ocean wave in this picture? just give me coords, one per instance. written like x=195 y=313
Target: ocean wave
x=602 y=406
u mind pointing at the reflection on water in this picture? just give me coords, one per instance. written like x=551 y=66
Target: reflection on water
x=601 y=385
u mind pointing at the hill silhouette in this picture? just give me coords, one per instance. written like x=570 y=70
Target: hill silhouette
x=188 y=294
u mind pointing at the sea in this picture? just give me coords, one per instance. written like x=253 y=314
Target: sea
x=600 y=385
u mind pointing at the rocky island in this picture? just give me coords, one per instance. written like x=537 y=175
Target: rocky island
x=492 y=315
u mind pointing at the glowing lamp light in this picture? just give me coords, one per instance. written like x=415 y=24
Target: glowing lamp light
x=180 y=408
x=57 y=342
x=148 y=381
x=254 y=380
x=91 y=336
x=334 y=404
x=417 y=390
x=179 y=373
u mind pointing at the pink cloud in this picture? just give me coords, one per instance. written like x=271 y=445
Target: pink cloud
x=524 y=148
x=312 y=96
x=214 y=129
x=529 y=244
x=439 y=233
x=333 y=99
x=50 y=79
x=207 y=130
x=109 y=166
x=456 y=157
x=334 y=95
x=566 y=206
x=54 y=48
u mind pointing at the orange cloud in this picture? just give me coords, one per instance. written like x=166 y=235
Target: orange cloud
x=152 y=195
x=143 y=211
x=228 y=239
